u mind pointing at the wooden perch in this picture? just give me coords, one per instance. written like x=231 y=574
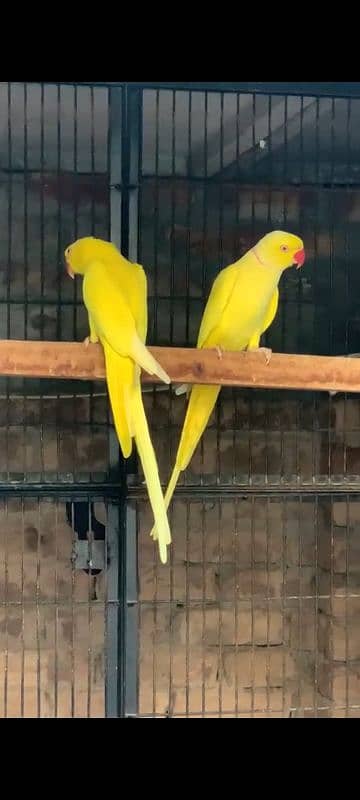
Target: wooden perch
x=73 y=360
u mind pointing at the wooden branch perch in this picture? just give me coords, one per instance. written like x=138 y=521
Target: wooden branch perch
x=73 y=360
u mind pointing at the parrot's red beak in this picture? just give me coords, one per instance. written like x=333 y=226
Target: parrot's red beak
x=299 y=258
x=69 y=270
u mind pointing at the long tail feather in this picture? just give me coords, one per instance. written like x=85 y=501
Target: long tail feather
x=149 y=465
x=169 y=493
x=119 y=376
x=143 y=357
x=123 y=378
x=201 y=403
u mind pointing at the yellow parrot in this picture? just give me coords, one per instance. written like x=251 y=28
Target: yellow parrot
x=115 y=295
x=241 y=306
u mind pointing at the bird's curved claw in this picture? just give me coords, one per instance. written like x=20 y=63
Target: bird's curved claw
x=88 y=340
x=267 y=353
x=265 y=350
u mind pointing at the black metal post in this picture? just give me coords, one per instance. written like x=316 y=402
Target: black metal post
x=122 y=615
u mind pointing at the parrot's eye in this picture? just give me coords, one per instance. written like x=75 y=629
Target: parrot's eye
x=284 y=248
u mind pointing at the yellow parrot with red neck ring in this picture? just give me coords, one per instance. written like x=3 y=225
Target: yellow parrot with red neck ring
x=242 y=304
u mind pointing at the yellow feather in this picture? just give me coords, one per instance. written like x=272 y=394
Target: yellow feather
x=119 y=377
x=115 y=295
x=241 y=306
x=201 y=404
x=149 y=465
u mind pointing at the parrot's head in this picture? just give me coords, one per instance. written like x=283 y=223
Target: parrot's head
x=81 y=253
x=281 y=250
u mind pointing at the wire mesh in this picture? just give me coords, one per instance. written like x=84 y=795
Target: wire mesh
x=256 y=614
x=54 y=606
x=54 y=187
x=60 y=623
x=219 y=170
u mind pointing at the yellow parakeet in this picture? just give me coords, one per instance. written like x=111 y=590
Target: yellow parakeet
x=241 y=306
x=115 y=295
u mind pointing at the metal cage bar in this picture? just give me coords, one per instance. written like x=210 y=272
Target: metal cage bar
x=263 y=573
x=126 y=149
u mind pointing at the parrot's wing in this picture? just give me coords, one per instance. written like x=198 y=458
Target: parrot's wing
x=110 y=299
x=138 y=299
x=271 y=311
x=219 y=297
x=130 y=280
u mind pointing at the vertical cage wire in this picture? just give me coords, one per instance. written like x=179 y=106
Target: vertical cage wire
x=256 y=613
x=53 y=608
x=292 y=168
x=266 y=652
x=54 y=185
x=54 y=181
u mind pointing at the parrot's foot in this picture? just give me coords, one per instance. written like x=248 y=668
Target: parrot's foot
x=182 y=389
x=266 y=350
x=89 y=340
x=219 y=353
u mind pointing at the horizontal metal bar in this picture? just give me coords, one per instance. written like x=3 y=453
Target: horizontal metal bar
x=223 y=491
x=78 y=492
x=40 y=171
x=243 y=600
x=75 y=83
x=76 y=304
x=73 y=491
x=236 y=181
x=309 y=89
x=338 y=89
x=71 y=360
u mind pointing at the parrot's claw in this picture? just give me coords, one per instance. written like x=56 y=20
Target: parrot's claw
x=219 y=353
x=88 y=340
x=265 y=350
x=267 y=353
